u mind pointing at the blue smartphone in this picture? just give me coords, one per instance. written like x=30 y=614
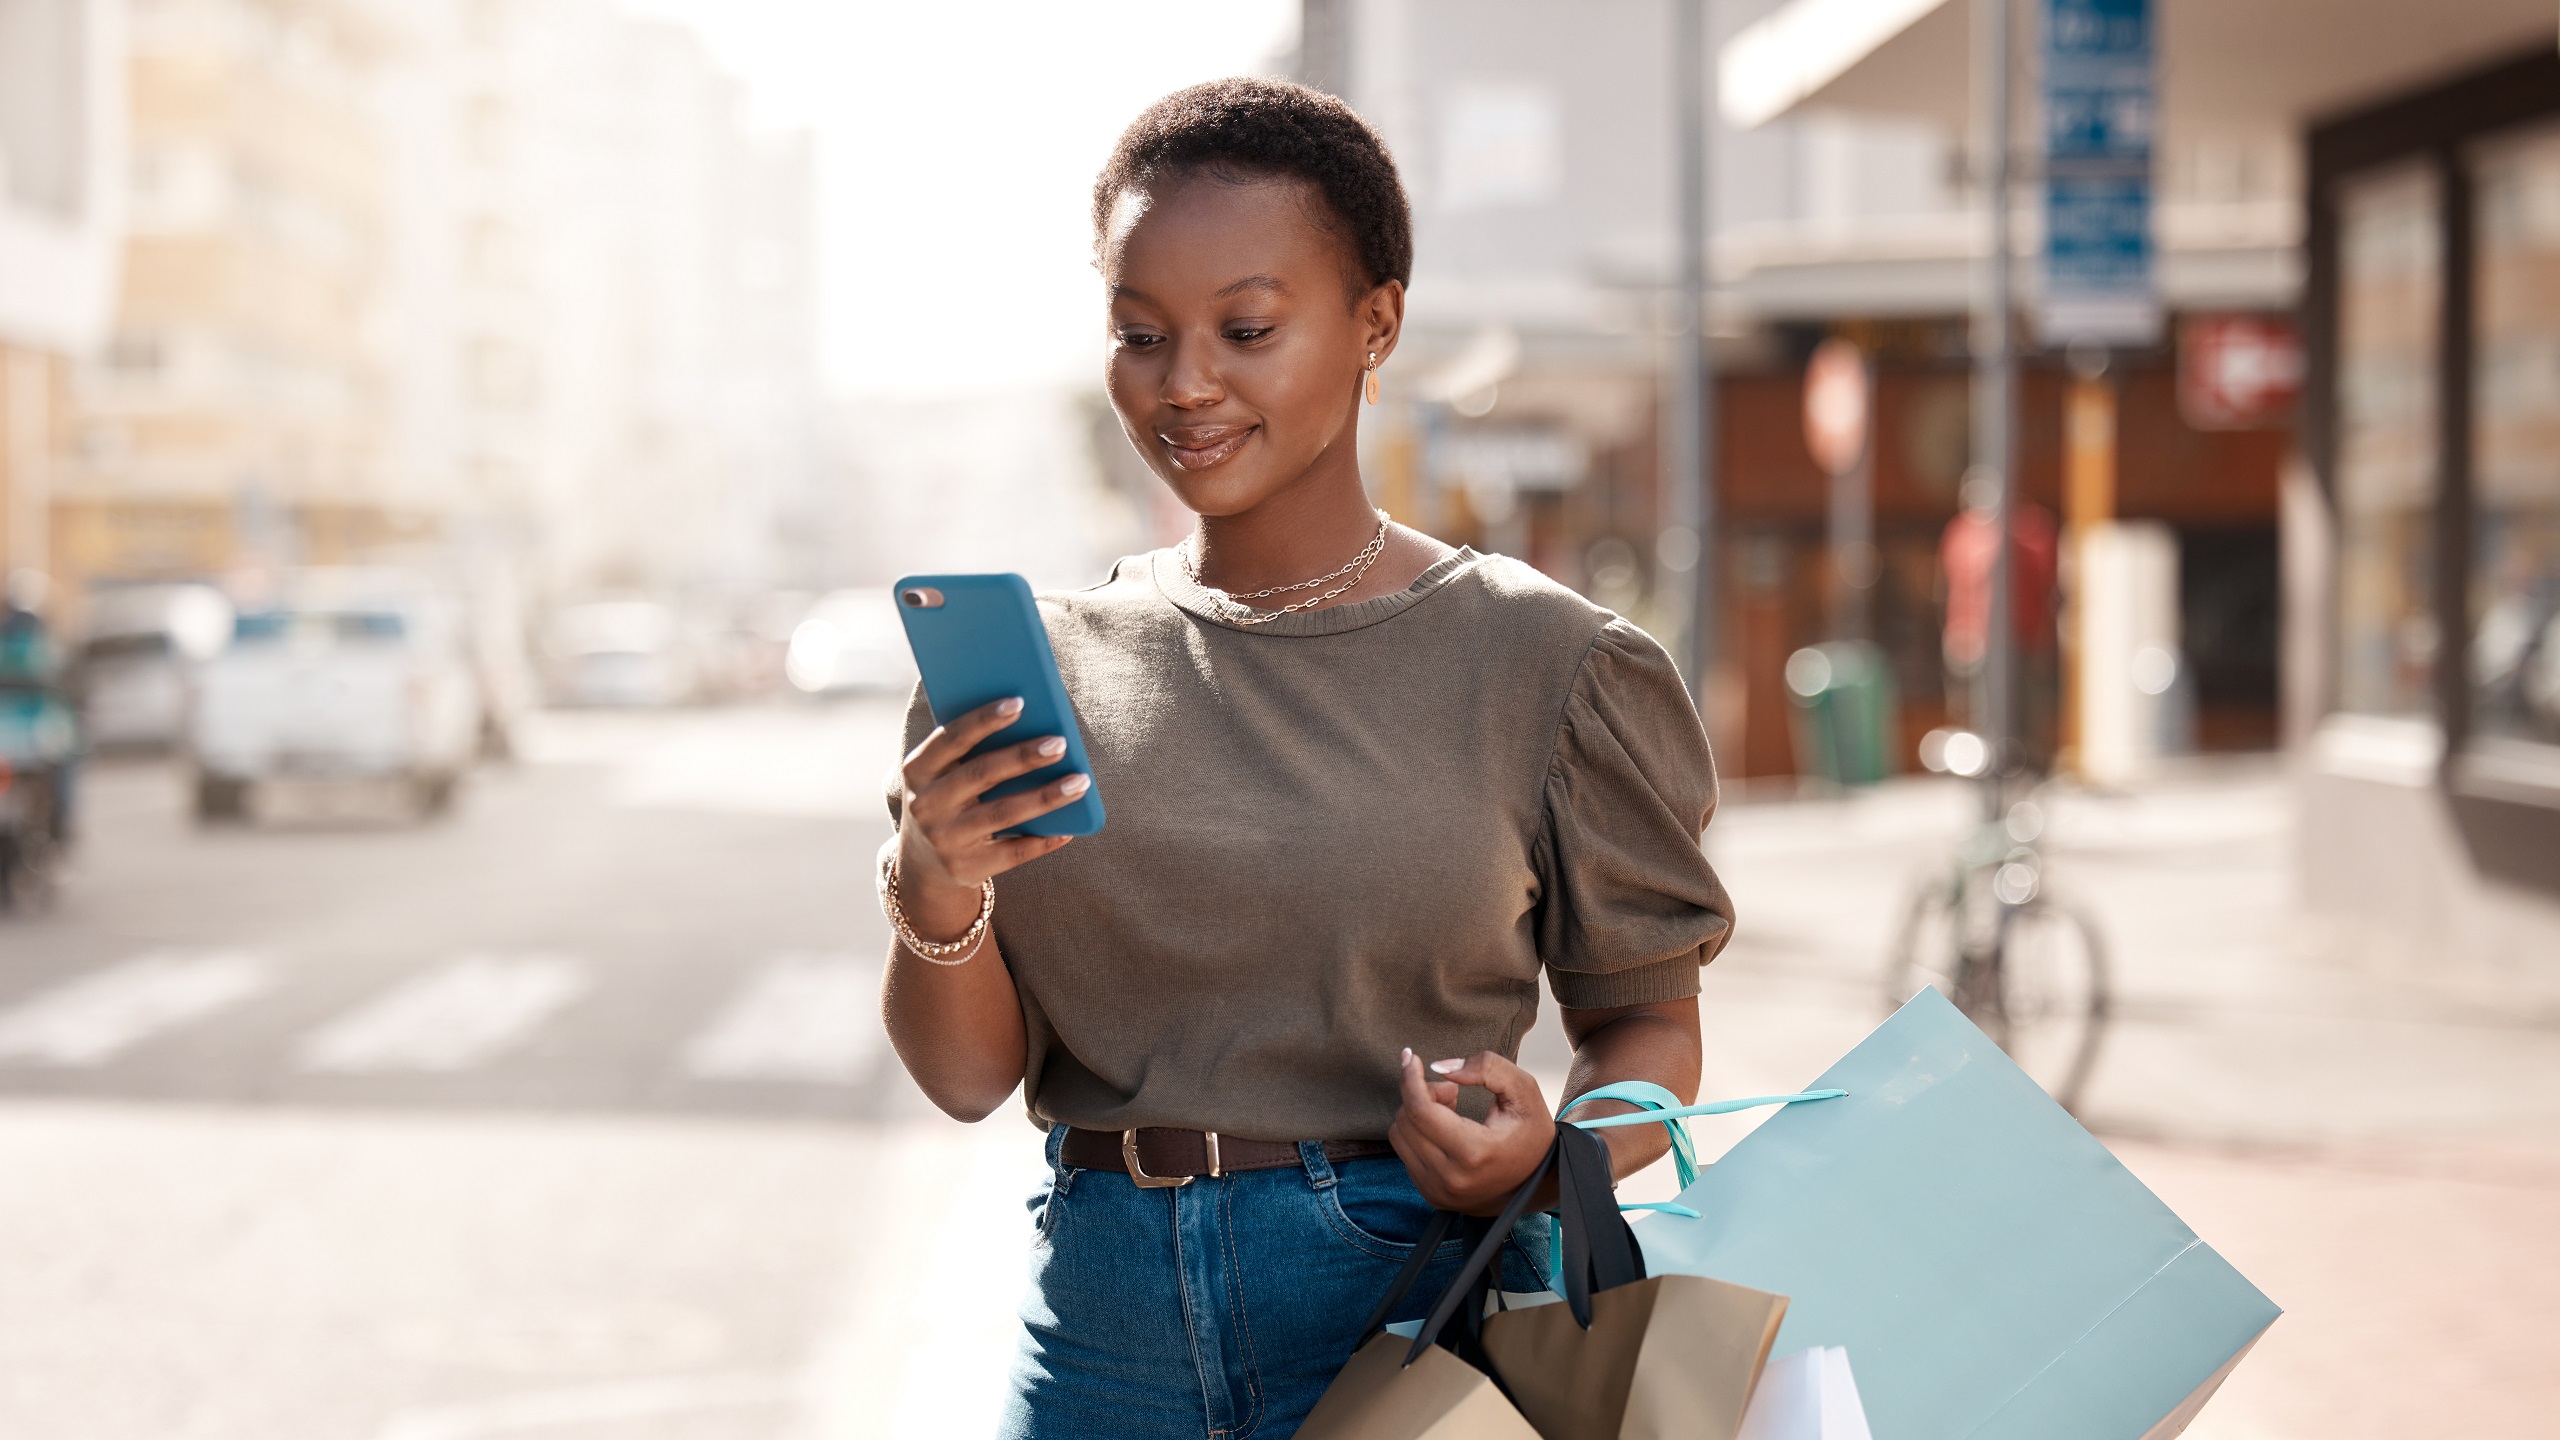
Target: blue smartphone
x=978 y=639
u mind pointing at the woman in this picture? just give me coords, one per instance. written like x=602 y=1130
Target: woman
x=1364 y=789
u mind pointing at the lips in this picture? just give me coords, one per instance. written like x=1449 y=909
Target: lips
x=1199 y=447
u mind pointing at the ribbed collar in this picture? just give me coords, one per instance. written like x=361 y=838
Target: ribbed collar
x=1175 y=584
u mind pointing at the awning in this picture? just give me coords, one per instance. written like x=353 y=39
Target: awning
x=2224 y=64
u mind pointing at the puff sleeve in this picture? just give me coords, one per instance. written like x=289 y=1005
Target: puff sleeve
x=1628 y=907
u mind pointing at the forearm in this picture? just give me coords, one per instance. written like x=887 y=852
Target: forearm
x=1656 y=1042
x=957 y=1028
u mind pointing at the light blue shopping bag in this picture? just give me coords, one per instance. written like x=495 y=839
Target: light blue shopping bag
x=1993 y=1272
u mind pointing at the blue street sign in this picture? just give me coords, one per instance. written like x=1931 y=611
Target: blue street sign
x=2099 y=108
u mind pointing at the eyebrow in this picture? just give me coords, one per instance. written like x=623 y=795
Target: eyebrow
x=1265 y=283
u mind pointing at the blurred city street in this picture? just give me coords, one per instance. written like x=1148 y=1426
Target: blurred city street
x=570 y=1115
x=457 y=458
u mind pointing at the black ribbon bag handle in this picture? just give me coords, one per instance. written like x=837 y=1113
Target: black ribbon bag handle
x=1600 y=1249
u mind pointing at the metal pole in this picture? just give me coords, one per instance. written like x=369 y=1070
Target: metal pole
x=1995 y=406
x=1691 y=437
x=1852 y=525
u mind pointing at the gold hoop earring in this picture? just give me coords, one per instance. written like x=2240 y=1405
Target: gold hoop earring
x=1369 y=387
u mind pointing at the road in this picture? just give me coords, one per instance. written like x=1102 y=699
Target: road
x=568 y=1116
x=659 y=914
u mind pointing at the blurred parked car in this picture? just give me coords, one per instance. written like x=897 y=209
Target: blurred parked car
x=618 y=652
x=346 y=676
x=737 y=636
x=134 y=669
x=852 y=642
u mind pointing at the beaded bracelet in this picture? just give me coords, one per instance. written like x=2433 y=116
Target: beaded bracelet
x=931 y=951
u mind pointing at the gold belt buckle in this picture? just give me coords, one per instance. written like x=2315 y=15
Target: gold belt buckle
x=1144 y=1181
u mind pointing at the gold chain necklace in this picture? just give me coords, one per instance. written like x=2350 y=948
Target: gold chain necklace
x=1349 y=574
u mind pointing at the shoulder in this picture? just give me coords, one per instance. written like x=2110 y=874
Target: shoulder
x=1610 y=660
x=1534 y=612
x=1116 y=631
x=1125 y=594
x=1527 y=608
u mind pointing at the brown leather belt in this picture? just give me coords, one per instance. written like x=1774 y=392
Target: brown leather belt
x=1165 y=1158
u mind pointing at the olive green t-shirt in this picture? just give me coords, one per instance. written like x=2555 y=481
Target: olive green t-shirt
x=1346 y=832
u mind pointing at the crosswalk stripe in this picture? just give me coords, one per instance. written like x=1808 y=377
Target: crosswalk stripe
x=455 y=1016
x=100 y=1015
x=806 y=1016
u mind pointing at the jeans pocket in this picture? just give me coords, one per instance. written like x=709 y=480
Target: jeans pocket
x=1373 y=1207
x=1047 y=1203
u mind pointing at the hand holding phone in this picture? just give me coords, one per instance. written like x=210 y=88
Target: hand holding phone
x=1003 y=779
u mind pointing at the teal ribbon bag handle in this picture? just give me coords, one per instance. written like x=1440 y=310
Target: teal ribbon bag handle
x=1663 y=1108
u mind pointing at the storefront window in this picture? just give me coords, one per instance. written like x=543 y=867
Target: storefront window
x=2515 y=569
x=2390 y=284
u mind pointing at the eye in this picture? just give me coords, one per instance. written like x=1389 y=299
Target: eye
x=1139 y=340
x=1247 y=334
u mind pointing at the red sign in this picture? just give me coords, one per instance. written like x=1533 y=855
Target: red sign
x=2238 y=372
x=1835 y=405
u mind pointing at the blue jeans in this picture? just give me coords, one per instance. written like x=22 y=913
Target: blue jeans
x=1220 y=1309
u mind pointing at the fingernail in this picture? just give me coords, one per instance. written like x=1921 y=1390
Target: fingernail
x=1447 y=1067
x=1009 y=707
x=1053 y=746
x=1406 y=1059
x=1075 y=785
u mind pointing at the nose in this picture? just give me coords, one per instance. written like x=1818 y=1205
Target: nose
x=1192 y=382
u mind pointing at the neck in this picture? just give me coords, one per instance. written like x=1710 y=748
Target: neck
x=1298 y=533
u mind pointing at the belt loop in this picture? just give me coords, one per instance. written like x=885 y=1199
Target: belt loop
x=1056 y=1149
x=1320 y=1174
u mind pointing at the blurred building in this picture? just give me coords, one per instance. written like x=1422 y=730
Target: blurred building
x=61 y=197
x=608 y=288
x=237 y=414
x=1525 y=405
x=2395 y=186
x=504 y=287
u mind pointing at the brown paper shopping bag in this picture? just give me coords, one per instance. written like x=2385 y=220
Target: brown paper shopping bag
x=1672 y=1355
x=1437 y=1397
x=1626 y=1357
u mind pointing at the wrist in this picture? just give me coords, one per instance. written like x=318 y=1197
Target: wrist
x=937 y=907
x=938 y=912
x=917 y=931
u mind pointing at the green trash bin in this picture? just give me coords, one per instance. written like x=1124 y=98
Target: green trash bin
x=1845 y=720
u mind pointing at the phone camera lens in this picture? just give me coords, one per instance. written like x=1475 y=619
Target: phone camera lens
x=914 y=598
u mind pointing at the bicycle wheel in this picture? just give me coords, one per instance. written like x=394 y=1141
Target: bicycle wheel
x=1928 y=948
x=2051 y=997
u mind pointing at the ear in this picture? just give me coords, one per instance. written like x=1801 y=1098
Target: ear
x=1381 y=317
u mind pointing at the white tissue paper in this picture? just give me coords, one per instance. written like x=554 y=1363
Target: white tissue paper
x=1809 y=1395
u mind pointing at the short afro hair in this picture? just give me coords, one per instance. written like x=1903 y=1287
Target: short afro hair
x=1247 y=127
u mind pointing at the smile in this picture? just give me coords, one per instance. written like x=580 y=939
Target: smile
x=1209 y=445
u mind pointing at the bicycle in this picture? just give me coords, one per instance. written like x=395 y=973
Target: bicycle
x=2027 y=968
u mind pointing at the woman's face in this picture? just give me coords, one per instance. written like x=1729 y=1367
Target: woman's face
x=1236 y=349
